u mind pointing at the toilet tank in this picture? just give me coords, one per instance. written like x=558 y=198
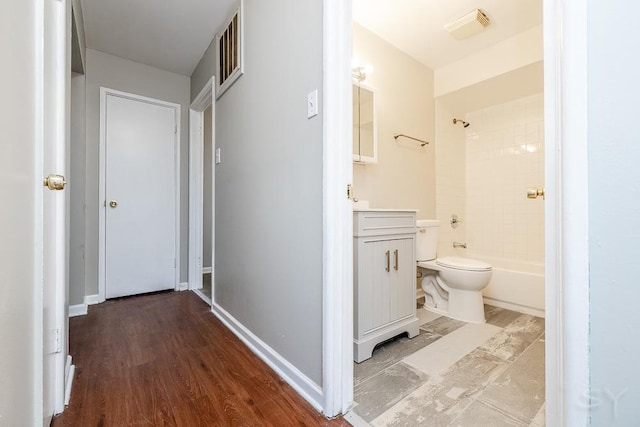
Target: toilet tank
x=426 y=239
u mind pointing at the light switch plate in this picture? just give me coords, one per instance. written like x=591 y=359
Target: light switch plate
x=312 y=104
x=217 y=156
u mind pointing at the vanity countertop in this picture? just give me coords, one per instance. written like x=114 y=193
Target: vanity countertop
x=383 y=210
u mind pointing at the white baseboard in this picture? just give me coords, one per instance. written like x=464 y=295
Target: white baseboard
x=70 y=371
x=183 y=286
x=92 y=299
x=515 y=307
x=202 y=296
x=206 y=270
x=77 y=310
x=308 y=389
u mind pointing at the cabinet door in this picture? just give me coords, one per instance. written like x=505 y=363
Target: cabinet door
x=373 y=285
x=403 y=278
x=386 y=281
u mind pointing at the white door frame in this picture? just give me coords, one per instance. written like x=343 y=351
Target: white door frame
x=337 y=269
x=104 y=92
x=196 y=156
x=566 y=213
x=566 y=277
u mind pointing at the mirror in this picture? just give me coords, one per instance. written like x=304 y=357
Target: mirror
x=365 y=148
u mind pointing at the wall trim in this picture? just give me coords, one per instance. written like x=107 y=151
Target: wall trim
x=92 y=299
x=337 y=222
x=196 y=200
x=182 y=286
x=308 y=389
x=70 y=370
x=566 y=212
x=77 y=310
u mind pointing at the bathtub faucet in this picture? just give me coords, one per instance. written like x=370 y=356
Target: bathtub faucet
x=459 y=245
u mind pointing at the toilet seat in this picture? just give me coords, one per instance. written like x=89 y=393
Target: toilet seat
x=463 y=264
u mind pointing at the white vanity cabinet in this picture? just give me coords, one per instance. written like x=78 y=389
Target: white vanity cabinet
x=384 y=277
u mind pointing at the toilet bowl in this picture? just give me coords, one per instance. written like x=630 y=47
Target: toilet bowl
x=452 y=285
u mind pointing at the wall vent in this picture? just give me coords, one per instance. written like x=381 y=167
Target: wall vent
x=468 y=25
x=229 y=52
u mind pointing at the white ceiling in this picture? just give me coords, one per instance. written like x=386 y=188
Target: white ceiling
x=167 y=34
x=416 y=26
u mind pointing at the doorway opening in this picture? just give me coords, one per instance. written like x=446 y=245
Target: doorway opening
x=202 y=193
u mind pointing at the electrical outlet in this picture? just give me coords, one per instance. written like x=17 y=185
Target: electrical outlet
x=312 y=104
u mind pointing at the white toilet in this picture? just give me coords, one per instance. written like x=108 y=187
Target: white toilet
x=452 y=285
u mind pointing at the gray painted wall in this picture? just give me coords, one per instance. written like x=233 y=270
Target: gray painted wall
x=121 y=74
x=76 y=189
x=18 y=271
x=614 y=212
x=269 y=185
x=207 y=190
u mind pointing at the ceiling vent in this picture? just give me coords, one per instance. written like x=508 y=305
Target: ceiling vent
x=468 y=25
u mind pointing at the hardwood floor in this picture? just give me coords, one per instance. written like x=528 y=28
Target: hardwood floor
x=164 y=359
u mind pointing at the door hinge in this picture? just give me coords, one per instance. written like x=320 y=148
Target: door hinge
x=349 y=191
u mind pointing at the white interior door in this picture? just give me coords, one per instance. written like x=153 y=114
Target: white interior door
x=140 y=190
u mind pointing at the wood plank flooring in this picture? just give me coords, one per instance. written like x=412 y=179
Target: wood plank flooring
x=164 y=359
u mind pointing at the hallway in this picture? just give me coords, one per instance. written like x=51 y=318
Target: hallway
x=164 y=359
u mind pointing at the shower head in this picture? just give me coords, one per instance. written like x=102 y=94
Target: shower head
x=464 y=124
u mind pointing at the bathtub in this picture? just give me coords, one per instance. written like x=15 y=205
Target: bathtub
x=515 y=285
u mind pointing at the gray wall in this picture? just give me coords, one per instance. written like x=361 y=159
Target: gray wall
x=121 y=74
x=76 y=189
x=614 y=212
x=268 y=249
x=207 y=218
x=17 y=217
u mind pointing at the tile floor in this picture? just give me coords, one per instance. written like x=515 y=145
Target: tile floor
x=457 y=374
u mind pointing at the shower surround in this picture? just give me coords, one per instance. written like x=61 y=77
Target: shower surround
x=503 y=152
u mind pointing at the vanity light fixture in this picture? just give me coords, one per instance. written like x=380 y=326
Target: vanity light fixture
x=359 y=73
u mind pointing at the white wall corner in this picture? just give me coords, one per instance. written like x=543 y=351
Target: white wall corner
x=302 y=384
x=77 y=310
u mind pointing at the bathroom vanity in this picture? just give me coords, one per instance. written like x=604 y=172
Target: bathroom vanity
x=384 y=277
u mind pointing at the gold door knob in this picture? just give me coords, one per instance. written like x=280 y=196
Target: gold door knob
x=113 y=204
x=54 y=182
x=534 y=193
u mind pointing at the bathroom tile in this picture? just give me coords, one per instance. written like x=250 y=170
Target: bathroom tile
x=443 y=325
x=481 y=415
x=499 y=316
x=440 y=400
x=381 y=392
x=519 y=391
x=539 y=419
x=443 y=353
x=390 y=353
x=515 y=337
x=426 y=316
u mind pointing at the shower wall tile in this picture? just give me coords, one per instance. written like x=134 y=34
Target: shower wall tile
x=504 y=156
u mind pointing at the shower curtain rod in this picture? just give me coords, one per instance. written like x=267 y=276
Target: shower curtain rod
x=422 y=142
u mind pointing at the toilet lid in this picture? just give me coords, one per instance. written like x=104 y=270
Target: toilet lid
x=463 y=263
